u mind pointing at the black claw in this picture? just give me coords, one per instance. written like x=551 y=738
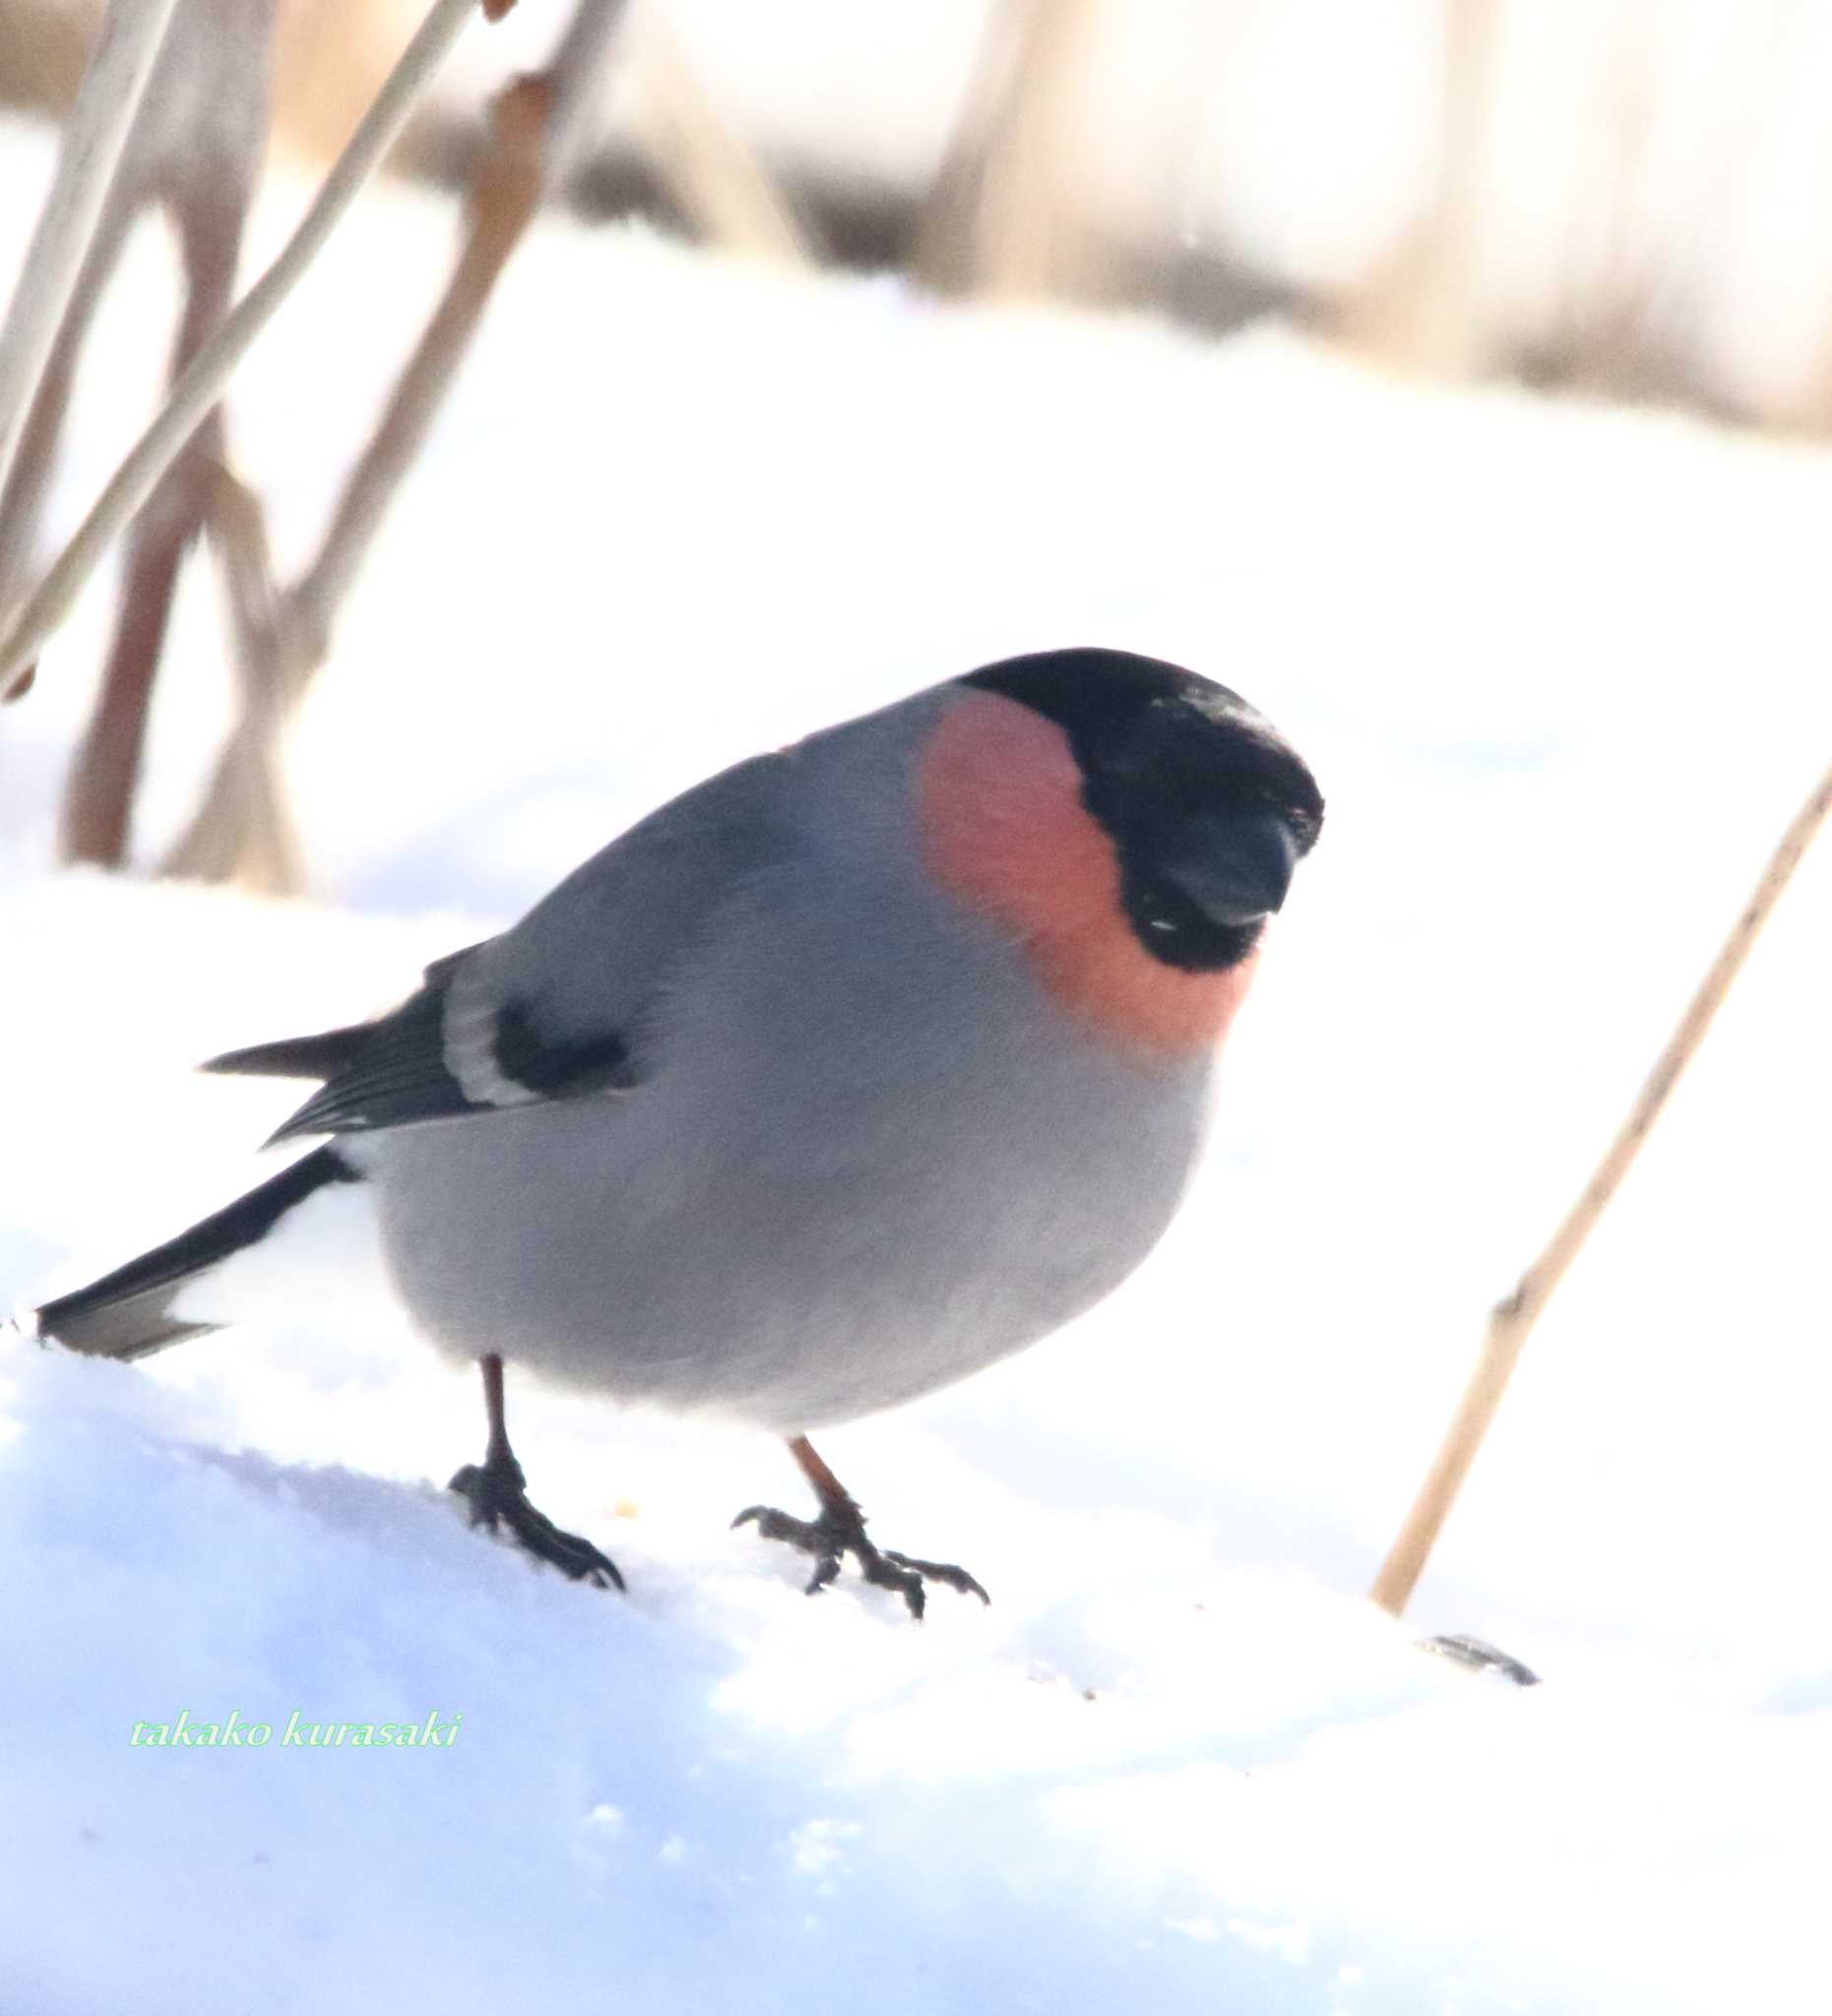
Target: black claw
x=940 y=1571
x=840 y=1530
x=496 y=1495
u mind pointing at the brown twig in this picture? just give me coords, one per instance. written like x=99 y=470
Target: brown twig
x=1004 y=215
x=21 y=501
x=282 y=640
x=1511 y=1322
x=710 y=169
x=197 y=146
x=242 y=830
x=503 y=198
x=108 y=101
x=537 y=126
x=1419 y=305
x=200 y=386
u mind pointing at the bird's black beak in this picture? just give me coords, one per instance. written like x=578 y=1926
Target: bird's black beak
x=1234 y=868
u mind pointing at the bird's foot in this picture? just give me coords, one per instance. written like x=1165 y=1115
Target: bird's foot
x=840 y=1530
x=496 y=1492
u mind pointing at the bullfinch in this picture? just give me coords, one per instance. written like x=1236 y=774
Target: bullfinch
x=852 y=1070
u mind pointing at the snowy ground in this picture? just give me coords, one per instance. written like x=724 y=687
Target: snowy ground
x=1561 y=672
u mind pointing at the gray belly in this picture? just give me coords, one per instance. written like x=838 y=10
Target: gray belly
x=790 y=1297
x=821 y=1204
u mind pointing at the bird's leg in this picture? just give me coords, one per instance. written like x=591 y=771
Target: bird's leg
x=497 y=1494
x=840 y=1530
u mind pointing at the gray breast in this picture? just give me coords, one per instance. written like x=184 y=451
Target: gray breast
x=872 y=1158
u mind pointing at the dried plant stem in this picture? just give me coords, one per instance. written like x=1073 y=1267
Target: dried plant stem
x=539 y=125
x=942 y=253
x=504 y=196
x=283 y=639
x=22 y=497
x=94 y=135
x=1420 y=307
x=712 y=171
x=106 y=770
x=1511 y=1322
x=200 y=385
x=242 y=829
x=197 y=148
x=1007 y=216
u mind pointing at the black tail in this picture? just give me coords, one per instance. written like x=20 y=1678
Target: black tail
x=128 y=1313
x=299 y=1056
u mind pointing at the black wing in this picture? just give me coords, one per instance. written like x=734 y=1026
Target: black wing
x=559 y=1007
x=399 y=1069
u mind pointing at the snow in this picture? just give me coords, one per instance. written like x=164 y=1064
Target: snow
x=1561 y=671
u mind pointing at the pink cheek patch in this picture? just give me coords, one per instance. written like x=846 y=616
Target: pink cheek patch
x=998 y=794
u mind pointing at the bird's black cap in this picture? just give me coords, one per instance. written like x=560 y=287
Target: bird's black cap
x=1207 y=804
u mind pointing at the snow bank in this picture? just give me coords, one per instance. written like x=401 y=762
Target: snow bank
x=1139 y=1783
x=1561 y=673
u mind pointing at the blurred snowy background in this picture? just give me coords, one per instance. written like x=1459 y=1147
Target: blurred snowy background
x=860 y=353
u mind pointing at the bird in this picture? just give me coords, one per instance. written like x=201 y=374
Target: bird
x=860 y=1066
